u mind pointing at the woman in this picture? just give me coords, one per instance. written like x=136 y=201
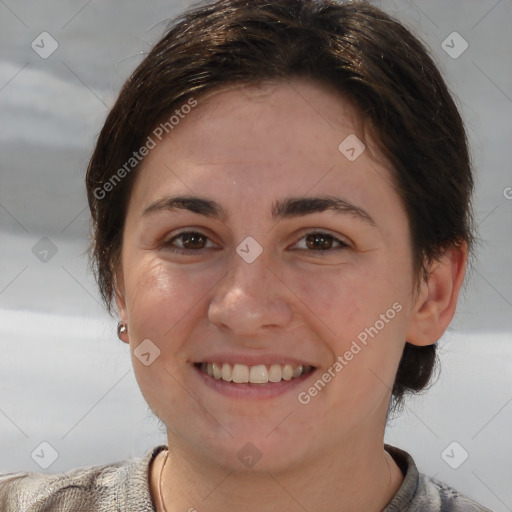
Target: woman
x=281 y=209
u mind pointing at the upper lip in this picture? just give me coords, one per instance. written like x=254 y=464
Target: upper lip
x=252 y=360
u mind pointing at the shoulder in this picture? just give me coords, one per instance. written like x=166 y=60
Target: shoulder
x=445 y=498
x=420 y=493
x=118 y=486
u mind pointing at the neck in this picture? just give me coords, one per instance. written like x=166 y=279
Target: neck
x=360 y=476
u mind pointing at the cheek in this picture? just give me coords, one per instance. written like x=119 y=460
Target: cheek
x=349 y=299
x=160 y=295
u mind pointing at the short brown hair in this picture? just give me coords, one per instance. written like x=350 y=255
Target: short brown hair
x=371 y=58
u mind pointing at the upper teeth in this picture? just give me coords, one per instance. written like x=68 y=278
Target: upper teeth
x=258 y=374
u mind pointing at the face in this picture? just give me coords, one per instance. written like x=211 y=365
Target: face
x=252 y=278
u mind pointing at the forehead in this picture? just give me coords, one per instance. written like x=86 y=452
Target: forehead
x=271 y=128
x=282 y=115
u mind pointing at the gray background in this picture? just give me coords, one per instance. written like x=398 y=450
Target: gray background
x=64 y=377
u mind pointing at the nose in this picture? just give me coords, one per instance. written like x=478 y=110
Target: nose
x=251 y=299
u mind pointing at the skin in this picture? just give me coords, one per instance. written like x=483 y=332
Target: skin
x=246 y=147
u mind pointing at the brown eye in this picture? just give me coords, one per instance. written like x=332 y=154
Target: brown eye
x=193 y=240
x=319 y=241
x=188 y=242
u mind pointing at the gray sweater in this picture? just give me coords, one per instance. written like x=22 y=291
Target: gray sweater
x=124 y=487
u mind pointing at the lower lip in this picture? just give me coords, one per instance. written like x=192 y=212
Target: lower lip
x=248 y=390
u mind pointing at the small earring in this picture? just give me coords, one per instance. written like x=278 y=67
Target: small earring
x=122 y=328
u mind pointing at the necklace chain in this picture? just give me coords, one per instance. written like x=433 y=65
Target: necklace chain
x=160 y=493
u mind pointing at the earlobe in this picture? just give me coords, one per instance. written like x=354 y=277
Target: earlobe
x=437 y=300
x=122 y=329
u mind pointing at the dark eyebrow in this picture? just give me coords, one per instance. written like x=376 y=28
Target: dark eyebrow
x=295 y=206
x=198 y=205
x=281 y=209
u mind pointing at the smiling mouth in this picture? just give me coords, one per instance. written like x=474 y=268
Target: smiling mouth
x=258 y=374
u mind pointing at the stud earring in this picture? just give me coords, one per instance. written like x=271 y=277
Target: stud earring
x=122 y=328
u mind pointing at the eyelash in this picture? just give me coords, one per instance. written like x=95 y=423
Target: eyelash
x=180 y=250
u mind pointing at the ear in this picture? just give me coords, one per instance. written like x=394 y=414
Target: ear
x=437 y=299
x=120 y=297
